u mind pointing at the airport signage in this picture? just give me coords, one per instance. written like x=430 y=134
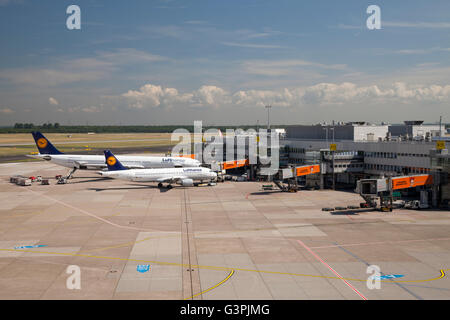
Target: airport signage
x=305 y=170
x=142 y=268
x=440 y=145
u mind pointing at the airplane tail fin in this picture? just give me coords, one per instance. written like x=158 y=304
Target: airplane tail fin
x=44 y=145
x=112 y=162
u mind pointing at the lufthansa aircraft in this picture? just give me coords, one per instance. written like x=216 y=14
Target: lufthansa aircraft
x=183 y=176
x=95 y=162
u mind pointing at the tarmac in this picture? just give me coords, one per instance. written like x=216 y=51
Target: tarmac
x=229 y=241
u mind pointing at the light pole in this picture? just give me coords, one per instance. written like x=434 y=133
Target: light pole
x=332 y=162
x=326 y=134
x=322 y=157
x=268 y=117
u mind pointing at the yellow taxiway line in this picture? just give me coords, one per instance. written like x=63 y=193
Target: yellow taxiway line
x=441 y=276
x=213 y=287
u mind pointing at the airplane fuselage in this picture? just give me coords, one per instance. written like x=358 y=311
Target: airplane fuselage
x=95 y=162
x=162 y=175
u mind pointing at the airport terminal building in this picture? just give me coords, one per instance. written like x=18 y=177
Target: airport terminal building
x=345 y=153
x=366 y=150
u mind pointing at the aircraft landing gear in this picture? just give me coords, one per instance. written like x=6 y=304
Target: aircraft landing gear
x=169 y=186
x=71 y=173
x=160 y=185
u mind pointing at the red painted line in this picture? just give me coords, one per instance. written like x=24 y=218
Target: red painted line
x=332 y=270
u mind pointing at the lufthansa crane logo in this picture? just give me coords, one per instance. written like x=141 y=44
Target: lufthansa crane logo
x=42 y=142
x=111 y=161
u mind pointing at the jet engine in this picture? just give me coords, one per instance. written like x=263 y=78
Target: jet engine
x=187 y=182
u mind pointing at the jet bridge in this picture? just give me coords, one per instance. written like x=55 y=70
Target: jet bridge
x=286 y=178
x=221 y=167
x=383 y=188
x=375 y=186
x=234 y=164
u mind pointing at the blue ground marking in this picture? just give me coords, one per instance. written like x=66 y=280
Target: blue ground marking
x=367 y=264
x=143 y=268
x=388 y=276
x=30 y=247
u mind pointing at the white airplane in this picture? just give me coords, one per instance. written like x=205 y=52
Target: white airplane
x=183 y=176
x=95 y=162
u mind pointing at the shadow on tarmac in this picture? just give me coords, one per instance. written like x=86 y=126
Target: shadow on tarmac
x=351 y=212
x=90 y=180
x=132 y=187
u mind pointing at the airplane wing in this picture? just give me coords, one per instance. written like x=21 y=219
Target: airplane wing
x=81 y=164
x=134 y=166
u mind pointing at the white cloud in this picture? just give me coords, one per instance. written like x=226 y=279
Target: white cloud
x=7 y=2
x=89 y=109
x=49 y=77
x=250 y=34
x=196 y=22
x=420 y=93
x=329 y=93
x=129 y=56
x=101 y=66
x=402 y=24
x=251 y=45
x=422 y=51
x=170 y=31
x=261 y=98
x=285 y=67
x=53 y=101
x=150 y=96
x=209 y=96
x=431 y=25
x=349 y=27
x=154 y=96
x=6 y=111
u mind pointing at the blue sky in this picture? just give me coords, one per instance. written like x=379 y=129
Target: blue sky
x=160 y=62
